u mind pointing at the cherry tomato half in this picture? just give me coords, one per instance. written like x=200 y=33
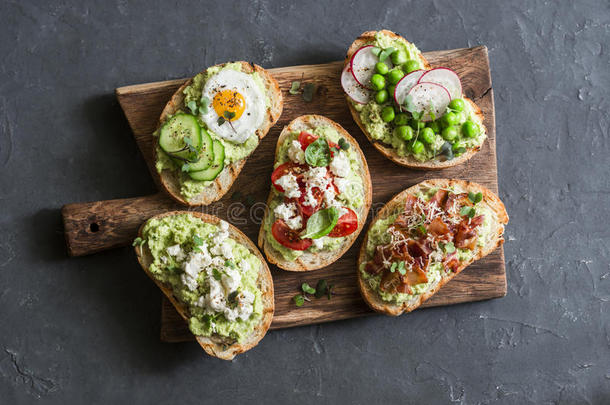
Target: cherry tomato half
x=288 y=237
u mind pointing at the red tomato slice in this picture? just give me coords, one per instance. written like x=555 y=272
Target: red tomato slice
x=288 y=167
x=308 y=210
x=288 y=237
x=347 y=224
x=305 y=138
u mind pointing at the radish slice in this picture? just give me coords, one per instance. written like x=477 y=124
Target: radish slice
x=354 y=90
x=363 y=63
x=405 y=84
x=446 y=78
x=430 y=97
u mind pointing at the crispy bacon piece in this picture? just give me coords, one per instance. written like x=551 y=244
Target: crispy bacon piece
x=439 y=197
x=373 y=268
x=461 y=199
x=438 y=227
x=466 y=235
x=418 y=249
x=451 y=261
x=409 y=203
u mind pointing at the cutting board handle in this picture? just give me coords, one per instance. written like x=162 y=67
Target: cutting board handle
x=96 y=226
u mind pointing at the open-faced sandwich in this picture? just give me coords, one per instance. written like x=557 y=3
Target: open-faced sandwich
x=320 y=195
x=214 y=276
x=422 y=238
x=210 y=127
x=414 y=115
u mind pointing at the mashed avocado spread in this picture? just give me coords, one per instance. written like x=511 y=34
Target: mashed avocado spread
x=351 y=196
x=414 y=142
x=210 y=273
x=378 y=235
x=233 y=151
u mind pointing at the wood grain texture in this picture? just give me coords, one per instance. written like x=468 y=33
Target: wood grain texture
x=142 y=105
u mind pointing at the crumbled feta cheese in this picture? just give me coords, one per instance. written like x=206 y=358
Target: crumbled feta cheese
x=316 y=177
x=176 y=251
x=215 y=299
x=329 y=196
x=288 y=182
x=319 y=243
x=224 y=225
x=341 y=183
x=188 y=281
x=290 y=214
x=339 y=165
x=296 y=153
x=245 y=302
x=245 y=266
x=197 y=262
x=231 y=278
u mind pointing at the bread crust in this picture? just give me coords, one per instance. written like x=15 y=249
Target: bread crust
x=395 y=205
x=388 y=151
x=314 y=261
x=218 y=346
x=219 y=187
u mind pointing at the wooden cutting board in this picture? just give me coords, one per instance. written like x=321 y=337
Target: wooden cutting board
x=96 y=226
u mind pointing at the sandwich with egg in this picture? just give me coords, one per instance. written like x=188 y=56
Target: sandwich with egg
x=214 y=276
x=210 y=126
x=320 y=195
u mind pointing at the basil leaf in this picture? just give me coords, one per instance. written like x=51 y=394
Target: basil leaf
x=294 y=87
x=318 y=153
x=299 y=300
x=308 y=289
x=321 y=223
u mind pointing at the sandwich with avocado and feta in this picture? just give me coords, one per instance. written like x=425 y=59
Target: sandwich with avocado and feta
x=210 y=126
x=213 y=274
x=414 y=115
x=422 y=238
x=320 y=195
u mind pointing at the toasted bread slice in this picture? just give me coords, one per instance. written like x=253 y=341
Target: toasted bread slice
x=222 y=183
x=396 y=204
x=407 y=161
x=313 y=261
x=219 y=346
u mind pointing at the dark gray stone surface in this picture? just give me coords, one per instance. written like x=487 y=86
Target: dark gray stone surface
x=85 y=330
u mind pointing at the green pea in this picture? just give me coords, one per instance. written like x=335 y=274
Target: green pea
x=391 y=90
x=449 y=119
x=427 y=135
x=381 y=96
x=415 y=124
x=395 y=75
x=450 y=133
x=458 y=147
x=401 y=119
x=457 y=104
x=461 y=117
x=378 y=82
x=398 y=57
x=435 y=126
x=404 y=132
x=470 y=129
x=387 y=114
x=381 y=68
x=410 y=66
x=417 y=147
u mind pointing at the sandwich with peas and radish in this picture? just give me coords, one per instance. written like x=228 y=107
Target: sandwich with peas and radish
x=320 y=195
x=210 y=126
x=413 y=114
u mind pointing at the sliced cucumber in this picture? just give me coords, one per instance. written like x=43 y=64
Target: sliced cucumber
x=173 y=133
x=206 y=156
x=219 y=163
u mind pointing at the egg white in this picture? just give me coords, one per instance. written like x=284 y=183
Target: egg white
x=253 y=115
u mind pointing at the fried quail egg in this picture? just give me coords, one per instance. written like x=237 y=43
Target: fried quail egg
x=237 y=105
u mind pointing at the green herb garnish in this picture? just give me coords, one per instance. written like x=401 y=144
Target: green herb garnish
x=232 y=298
x=318 y=153
x=308 y=91
x=448 y=247
x=321 y=223
x=192 y=105
x=393 y=267
x=308 y=289
x=294 y=87
x=467 y=211
x=343 y=144
x=138 y=241
x=383 y=55
x=205 y=102
x=299 y=300
x=401 y=268
x=475 y=198
x=197 y=240
x=376 y=51
x=216 y=274
x=321 y=288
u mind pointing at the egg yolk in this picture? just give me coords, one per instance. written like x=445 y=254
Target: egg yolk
x=229 y=104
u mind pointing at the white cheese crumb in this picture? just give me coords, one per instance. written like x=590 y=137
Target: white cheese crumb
x=231 y=278
x=289 y=213
x=342 y=184
x=176 y=251
x=289 y=183
x=296 y=153
x=339 y=165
